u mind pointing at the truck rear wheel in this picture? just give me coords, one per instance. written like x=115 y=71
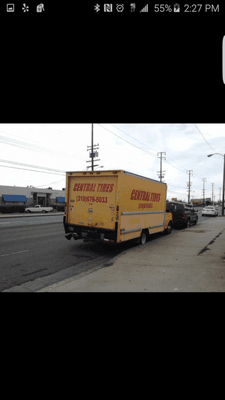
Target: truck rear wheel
x=143 y=238
x=169 y=228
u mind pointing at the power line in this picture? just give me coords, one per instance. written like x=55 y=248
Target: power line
x=149 y=148
x=42 y=172
x=51 y=183
x=126 y=141
x=174 y=166
x=33 y=147
x=204 y=138
x=134 y=138
x=30 y=165
x=179 y=169
x=142 y=149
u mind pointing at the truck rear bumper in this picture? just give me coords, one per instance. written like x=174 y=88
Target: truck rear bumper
x=90 y=233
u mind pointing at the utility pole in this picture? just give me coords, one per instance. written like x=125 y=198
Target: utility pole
x=220 y=196
x=160 y=173
x=204 y=180
x=212 y=192
x=210 y=155
x=189 y=185
x=93 y=149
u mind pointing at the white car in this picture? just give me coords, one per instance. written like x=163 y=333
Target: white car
x=209 y=210
x=38 y=208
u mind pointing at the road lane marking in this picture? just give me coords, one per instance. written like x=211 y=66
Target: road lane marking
x=22 y=251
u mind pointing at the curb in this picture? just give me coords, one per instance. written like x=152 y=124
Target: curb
x=31 y=215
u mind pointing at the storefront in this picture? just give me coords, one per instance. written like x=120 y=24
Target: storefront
x=15 y=198
x=13 y=202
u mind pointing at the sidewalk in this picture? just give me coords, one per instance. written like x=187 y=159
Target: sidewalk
x=189 y=260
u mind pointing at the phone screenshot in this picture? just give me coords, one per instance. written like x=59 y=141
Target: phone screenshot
x=112 y=133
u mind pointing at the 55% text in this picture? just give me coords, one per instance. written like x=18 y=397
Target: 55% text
x=162 y=8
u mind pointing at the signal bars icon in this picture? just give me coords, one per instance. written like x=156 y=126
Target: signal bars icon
x=144 y=9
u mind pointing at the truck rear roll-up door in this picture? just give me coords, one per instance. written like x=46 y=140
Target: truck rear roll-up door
x=92 y=201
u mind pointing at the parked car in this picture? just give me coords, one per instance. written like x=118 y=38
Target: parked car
x=38 y=208
x=209 y=210
x=184 y=215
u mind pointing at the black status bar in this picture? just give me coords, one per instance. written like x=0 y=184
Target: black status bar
x=115 y=8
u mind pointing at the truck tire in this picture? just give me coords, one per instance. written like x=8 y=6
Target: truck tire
x=196 y=221
x=188 y=223
x=169 y=228
x=143 y=238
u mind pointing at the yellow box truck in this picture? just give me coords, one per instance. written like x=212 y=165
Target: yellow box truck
x=114 y=206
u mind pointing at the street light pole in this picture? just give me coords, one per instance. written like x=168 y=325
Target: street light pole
x=92 y=150
x=210 y=155
x=223 y=184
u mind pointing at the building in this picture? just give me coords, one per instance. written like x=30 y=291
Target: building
x=16 y=198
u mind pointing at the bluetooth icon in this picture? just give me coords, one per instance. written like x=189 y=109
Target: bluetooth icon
x=97 y=7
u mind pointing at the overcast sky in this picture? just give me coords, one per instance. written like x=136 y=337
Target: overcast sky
x=134 y=148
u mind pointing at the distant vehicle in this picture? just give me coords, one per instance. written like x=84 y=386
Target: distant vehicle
x=216 y=207
x=183 y=214
x=209 y=210
x=38 y=209
x=197 y=203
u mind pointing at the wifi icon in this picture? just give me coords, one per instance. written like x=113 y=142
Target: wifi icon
x=144 y=9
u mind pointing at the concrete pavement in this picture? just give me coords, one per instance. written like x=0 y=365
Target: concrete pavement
x=189 y=260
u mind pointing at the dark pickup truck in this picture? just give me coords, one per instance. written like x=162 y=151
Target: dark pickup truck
x=183 y=215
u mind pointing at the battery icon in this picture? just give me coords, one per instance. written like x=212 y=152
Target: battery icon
x=176 y=7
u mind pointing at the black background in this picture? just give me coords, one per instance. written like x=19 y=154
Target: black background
x=71 y=64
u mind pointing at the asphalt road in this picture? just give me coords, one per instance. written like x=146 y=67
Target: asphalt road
x=35 y=247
